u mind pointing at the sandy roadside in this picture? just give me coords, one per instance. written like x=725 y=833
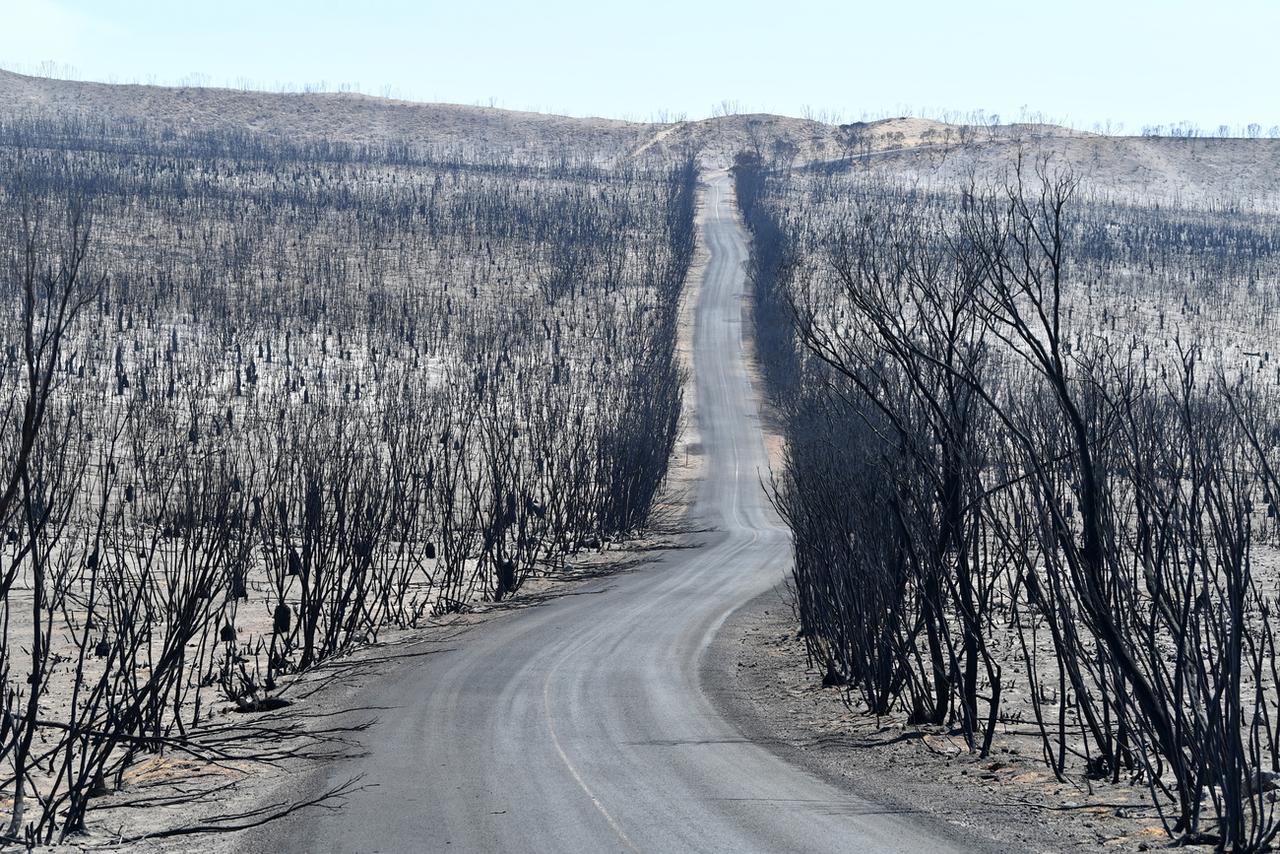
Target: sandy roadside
x=758 y=676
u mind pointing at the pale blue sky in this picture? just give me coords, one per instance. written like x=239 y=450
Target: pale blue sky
x=1131 y=61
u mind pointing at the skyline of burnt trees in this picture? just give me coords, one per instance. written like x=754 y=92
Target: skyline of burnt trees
x=311 y=392
x=1014 y=489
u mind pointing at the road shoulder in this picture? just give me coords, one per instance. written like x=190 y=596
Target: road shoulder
x=757 y=675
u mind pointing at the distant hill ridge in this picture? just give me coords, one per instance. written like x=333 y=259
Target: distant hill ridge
x=1188 y=170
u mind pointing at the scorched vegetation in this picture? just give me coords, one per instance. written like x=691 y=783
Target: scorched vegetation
x=262 y=400
x=1033 y=438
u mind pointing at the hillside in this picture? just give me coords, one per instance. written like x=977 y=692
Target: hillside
x=350 y=118
x=1203 y=171
x=356 y=119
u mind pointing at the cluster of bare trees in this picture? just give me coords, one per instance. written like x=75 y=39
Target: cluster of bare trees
x=1008 y=511
x=288 y=396
x=1190 y=130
